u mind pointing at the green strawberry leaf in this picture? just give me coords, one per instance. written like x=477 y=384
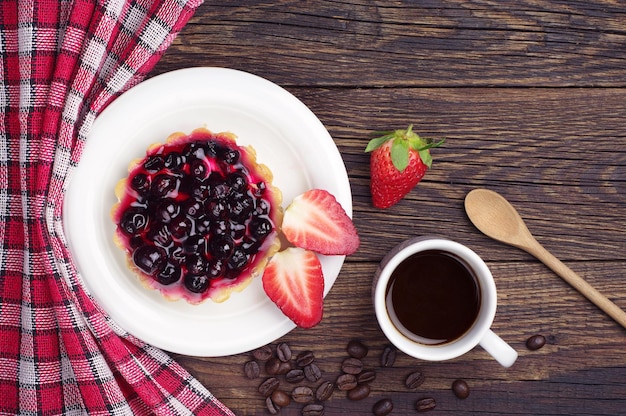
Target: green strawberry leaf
x=400 y=154
x=379 y=141
x=420 y=143
x=427 y=159
x=425 y=155
x=416 y=142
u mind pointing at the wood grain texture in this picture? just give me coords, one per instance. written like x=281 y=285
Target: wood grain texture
x=531 y=99
x=407 y=43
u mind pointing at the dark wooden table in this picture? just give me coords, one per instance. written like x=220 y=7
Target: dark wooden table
x=531 y=98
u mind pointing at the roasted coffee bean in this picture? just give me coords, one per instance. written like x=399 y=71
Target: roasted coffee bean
x=352 y=366
x=414 y=380
x=312 y=372
x=284 y=367
x=360 y=392
x=268 y=386
x=283 y=352
x=324 y=391
x=460 y=389
x=313 y=409
x=272 y=408
x=366 y=376
x=272 y=366
x=535 y=342
x=356 y=349
x=305 y=358
x=425 y=405
x=280 y=398
x=302 y=394
x=346 y=382
x=294 y=376
x=382 y=407
x=251 y=369
x=262 y=353
x=388 y=357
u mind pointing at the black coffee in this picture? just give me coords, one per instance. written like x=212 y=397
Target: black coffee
x=434 y=296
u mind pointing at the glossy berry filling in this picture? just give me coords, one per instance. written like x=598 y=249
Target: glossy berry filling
x=197 y=216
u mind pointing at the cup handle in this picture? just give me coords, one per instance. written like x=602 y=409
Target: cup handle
x=500 y=350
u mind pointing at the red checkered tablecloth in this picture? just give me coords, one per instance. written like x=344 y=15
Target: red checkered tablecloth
x=61 y=63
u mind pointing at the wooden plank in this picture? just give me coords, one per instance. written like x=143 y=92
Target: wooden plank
x=403 y=43
x=554 y=153
x=582 y=362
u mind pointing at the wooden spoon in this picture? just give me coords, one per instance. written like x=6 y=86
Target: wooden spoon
x=495 y=217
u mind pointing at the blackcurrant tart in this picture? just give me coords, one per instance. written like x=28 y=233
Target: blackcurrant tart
x=198 y=217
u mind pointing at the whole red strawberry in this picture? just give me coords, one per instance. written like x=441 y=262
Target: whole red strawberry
x=398 y=161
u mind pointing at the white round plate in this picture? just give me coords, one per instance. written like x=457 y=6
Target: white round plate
x=288 y=138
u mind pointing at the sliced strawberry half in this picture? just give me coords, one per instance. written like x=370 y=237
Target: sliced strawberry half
x=316 y=221
x=293 y=280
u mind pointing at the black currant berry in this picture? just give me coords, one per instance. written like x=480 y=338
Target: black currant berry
x=150 y=259
x=171 y=273
x=134 y=221
x=197 y=283
x=260 y=227
x=222 y=247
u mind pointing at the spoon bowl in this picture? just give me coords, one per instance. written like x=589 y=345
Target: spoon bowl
x=495 y=217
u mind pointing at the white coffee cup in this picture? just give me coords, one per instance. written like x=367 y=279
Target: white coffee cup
x=479 y=333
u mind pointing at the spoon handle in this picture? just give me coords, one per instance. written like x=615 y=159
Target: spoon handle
x=577 y=282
